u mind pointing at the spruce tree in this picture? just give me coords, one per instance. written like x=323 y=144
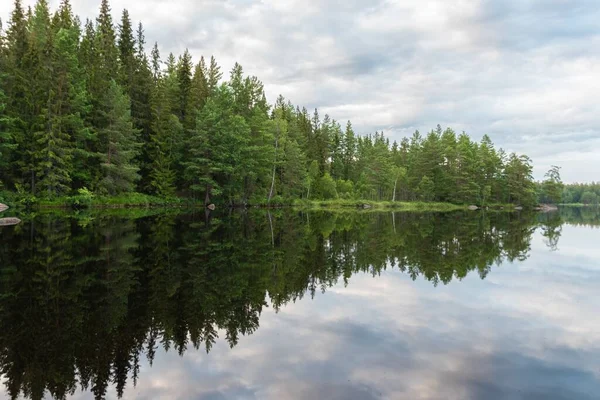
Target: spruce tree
x=214 y=75
x=127 y=52
x=142 y=99
x=163 y=149
x=184 y=79
x=119 y=144
x=349 y=151
x=7 y=145
x=199 y=91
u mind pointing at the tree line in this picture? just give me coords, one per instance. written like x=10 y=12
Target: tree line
x=582 y=193
x=85 y=301
x=84 y=108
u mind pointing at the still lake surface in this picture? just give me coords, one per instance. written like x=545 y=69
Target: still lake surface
x=296 y=305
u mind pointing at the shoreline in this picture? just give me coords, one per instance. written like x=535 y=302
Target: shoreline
x=142 y=201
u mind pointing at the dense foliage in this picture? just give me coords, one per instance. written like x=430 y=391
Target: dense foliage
x=84 y=302
x=82 y=106
x=582 y=193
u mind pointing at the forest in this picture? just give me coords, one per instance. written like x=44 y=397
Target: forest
x=85 y=110
x=86 y=301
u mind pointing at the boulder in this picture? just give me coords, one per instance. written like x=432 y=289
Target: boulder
x=473 y=208
x=9 y=221
x=3 y=207
x=547 y=208
x=367 y=206
x=518 y=208
x=211 y=207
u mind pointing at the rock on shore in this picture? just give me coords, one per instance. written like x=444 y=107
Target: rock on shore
x=9 y=221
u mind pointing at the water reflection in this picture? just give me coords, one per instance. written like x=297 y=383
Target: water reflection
x=84 y=301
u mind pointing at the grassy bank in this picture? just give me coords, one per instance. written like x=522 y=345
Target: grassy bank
x=376 y=205
x=390 y=206
x=86 y=200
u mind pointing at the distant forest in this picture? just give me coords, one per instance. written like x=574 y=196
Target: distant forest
x=84 y=109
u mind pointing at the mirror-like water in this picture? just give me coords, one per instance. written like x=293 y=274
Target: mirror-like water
x=292 y=305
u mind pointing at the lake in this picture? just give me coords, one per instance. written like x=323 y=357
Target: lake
x=301 y=305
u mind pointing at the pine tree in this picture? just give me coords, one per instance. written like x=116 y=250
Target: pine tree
x=199 y=90
x=552 y=185
x=468 y=189
x=214 y=75
x=119 y=144
x=167 y=133
x=142 y=100
x=7 y=145
x=105 y=43
x=519 y=180
x=127 y=60
x=349 y=149
x=213 y=166
x=156 y=62
x=184 y=79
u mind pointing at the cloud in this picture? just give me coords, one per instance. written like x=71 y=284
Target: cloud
x=525 y=72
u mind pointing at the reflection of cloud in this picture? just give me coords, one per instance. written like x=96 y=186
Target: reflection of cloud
x=525 y=72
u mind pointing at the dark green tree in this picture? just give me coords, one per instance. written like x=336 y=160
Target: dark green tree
x=552 y=185
x=119 y=144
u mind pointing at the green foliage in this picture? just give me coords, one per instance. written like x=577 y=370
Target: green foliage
x=119 y=144
x=426 y=189
x=589 y=198
x=326 y=188
x=83 y=198
x=345 y=189
x=552 y=187
x=574 y=193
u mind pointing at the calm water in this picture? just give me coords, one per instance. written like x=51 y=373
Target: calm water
x=290 y=305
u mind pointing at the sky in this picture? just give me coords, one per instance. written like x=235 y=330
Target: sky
x=525 y=72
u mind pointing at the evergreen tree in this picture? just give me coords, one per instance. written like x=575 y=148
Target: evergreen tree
x=213 y=166
x=521 y=188
x=119 y=143
x=184 y=79
x=199 y=90
x=6 y=136
x=142 y=100
x=552 y=185
x=167 y=133
x=349 y=150
x=214 y=75
x=127 y=53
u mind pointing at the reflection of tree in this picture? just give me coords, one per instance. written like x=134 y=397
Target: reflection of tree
x=551 y=226
x=82 y=303
x=581 y=216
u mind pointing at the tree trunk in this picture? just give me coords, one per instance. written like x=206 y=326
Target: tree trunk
x=271 y=225
x=207 y=198
x=395 y=185
x=32 y=182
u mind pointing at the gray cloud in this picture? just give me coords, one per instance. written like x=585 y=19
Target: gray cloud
x=525 y=72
